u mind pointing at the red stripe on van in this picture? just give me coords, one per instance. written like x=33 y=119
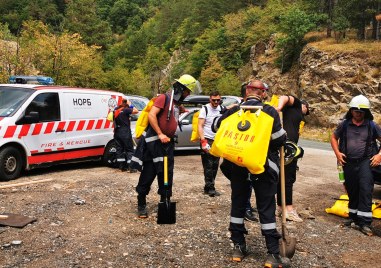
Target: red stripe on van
x=60 y=148
x=81 y=125
x=108 y=123
x=24 y=131
x=36 y=159
x=71 y=126
x=47 y=150
x=90 y=124
x=61 y=126
x=10 y=132
x=37 y=129
x=99 y=124
x=49 y=128
x=34 y=152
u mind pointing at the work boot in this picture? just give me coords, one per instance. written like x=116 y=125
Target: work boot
x=213 y=193
x=366 y=230
x=142 y=208
x=240 y=251
x=132 y=170
x=142 y=212
x=348 y=222
x=123 y=167
x=249 y=216
x=276 y=261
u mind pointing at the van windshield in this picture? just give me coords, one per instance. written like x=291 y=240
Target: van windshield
x=11 y=98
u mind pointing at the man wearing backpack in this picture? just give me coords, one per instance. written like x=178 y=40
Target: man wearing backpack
x=355 y=147
x=210 y=162
x=122 y=134
x=264 y=184
x=158 y=141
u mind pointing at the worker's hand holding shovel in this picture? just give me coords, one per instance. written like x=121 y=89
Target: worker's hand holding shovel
x=164 y=138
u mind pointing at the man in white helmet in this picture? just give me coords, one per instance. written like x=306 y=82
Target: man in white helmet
x=355 y=147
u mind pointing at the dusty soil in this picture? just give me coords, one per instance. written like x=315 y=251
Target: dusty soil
x=86 y=218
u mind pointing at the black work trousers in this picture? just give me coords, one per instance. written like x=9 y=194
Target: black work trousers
x=359 y=185
x=290 y=178
x=210 y=165
x=124 y=146
x=265 y=190
x=149 y=172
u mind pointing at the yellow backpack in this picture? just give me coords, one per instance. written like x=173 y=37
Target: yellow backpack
x=142 y=122
x=195 y=137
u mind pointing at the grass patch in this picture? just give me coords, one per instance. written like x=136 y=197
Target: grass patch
x=368 y=49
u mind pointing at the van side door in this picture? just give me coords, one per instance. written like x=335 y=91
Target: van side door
x=42 y=129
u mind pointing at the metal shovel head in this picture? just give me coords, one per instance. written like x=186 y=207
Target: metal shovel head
x=287 y=246
x=166 y=213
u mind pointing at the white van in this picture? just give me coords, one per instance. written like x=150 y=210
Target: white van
x=44 y=125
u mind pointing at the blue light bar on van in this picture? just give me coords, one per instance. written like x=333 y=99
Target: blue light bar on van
x=29 y=79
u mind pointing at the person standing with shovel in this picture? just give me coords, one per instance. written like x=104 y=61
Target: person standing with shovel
x=157 y=143
x=264 y=185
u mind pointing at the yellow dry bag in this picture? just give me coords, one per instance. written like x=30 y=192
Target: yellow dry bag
x=243 y=138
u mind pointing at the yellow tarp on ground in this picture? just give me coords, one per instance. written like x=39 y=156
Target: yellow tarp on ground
x=340 y=208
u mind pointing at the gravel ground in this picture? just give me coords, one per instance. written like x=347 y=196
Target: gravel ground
x=86 y=218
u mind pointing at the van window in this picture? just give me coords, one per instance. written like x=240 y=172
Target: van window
x=11 y=98
x=47 y=105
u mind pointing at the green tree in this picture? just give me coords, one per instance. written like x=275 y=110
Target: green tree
x=155 y=61
x=82 y=18
x=294 y=24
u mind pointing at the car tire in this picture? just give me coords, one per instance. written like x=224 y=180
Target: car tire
x=109 y=155
x=11 y=163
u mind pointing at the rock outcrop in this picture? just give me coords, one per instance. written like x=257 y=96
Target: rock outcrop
x=327 y=80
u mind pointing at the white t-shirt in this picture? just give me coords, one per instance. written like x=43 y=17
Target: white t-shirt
x=212 y=113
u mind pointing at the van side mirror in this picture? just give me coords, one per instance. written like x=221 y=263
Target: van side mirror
x=31 y=118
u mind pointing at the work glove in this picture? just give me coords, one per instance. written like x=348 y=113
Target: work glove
x=205 y=146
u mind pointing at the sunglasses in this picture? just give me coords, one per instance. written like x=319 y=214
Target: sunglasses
x=215 y=100
x=359 y=110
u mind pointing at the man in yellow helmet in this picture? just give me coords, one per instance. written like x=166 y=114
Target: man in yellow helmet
x=158 y=140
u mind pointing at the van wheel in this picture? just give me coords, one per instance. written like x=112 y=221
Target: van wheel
x=109 y=155
x=11 y=163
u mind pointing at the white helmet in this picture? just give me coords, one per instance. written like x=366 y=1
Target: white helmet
x=360 y=101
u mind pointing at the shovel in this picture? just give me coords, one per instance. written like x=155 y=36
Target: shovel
x=287 y=243
x=167 y=210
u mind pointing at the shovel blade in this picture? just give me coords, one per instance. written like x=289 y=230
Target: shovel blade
x=166 y=213
x=287 y=246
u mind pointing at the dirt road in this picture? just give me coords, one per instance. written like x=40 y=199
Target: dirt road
x=86 y=218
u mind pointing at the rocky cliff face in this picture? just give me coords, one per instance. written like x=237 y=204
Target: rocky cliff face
x=327 y=80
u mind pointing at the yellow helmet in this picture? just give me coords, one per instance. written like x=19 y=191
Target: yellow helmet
x=190 y=82
x=292 y=151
